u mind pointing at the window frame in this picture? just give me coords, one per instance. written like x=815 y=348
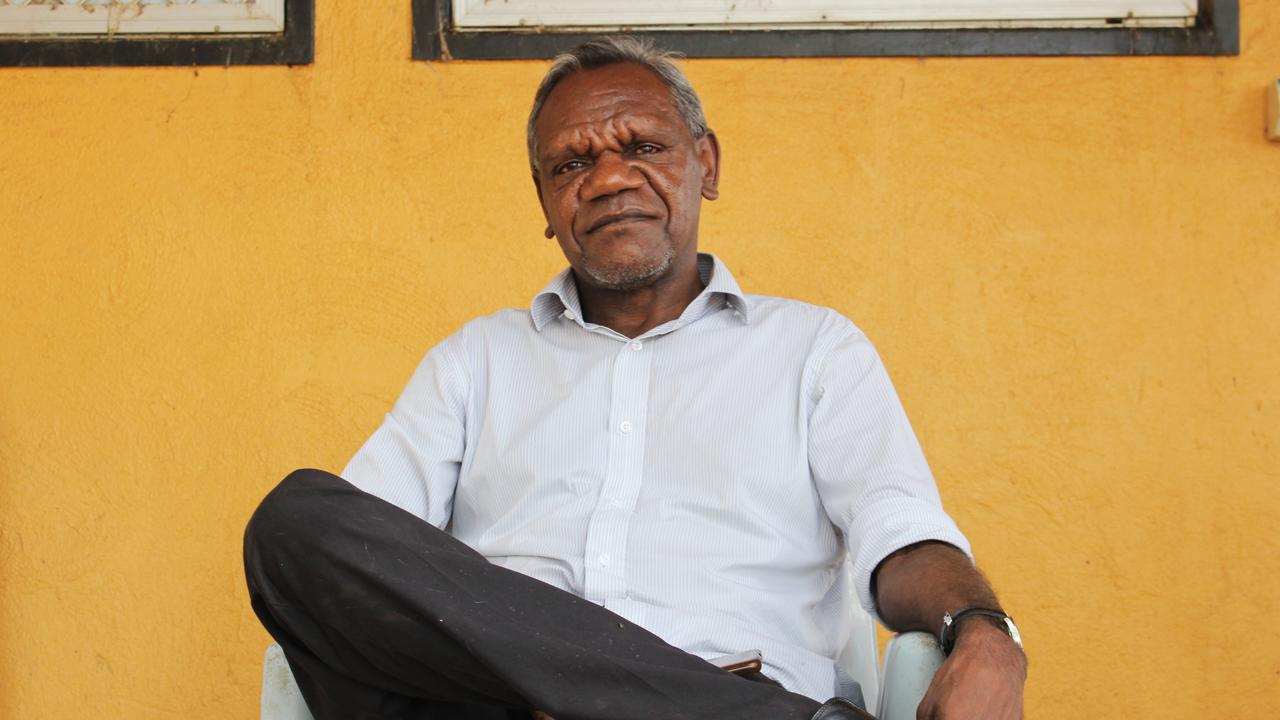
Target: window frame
x=294 y=46
x=1216 y=32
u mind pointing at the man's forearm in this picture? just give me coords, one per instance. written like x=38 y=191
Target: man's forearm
x=916 y=585
x=983 y=677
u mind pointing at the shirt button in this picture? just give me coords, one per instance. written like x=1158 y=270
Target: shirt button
x=604 y=560
x=626 y=426
x=636 y=345
x=570 y=314
x=616 y=502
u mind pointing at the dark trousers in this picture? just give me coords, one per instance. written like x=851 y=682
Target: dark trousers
x=382 y=615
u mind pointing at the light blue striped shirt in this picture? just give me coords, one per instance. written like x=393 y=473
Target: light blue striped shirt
x=702 y=480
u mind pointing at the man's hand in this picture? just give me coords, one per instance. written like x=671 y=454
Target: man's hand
x=982 y=679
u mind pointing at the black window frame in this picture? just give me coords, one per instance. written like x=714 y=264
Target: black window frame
x=1217 y=32
x=294 y=46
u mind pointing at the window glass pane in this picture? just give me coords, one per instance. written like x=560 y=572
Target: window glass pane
x=164 y=17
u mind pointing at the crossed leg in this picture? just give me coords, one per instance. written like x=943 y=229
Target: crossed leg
x=382 y=615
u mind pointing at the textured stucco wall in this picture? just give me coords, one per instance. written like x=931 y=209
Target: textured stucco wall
x=1071 y=267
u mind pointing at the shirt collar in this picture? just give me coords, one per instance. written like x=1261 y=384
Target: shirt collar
x=560 y=296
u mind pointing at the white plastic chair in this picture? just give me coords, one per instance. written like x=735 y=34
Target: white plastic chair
x=910 y=661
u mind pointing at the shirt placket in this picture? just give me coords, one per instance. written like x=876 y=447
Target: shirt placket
x=605 y=560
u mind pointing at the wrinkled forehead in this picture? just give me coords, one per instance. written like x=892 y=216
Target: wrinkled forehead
x=615 y=130
x=605 y=99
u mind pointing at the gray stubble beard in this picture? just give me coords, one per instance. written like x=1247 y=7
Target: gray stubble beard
x=628 y=277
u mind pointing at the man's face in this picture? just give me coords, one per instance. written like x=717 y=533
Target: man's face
x=620 y=178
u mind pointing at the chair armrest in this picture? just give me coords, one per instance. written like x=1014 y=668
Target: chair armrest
x=910 y=661
x=281 y=699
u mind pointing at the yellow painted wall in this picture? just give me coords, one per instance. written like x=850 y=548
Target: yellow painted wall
x=1071 y=267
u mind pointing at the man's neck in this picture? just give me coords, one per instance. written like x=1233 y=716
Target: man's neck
x=634 y=312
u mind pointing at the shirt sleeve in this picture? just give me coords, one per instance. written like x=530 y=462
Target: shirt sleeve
x=412 y=460
x=866 y=462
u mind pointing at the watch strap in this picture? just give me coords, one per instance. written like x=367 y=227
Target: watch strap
x=947 y=636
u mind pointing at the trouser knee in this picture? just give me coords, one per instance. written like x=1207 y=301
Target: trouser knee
x=292 y=504
x=294 y=514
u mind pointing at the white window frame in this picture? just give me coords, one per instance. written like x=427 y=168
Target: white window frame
x=141 y=17
x=831 y=14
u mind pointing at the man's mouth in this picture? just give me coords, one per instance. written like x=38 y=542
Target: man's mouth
x=617 y=219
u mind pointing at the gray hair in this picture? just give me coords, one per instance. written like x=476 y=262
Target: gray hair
x=610 y=50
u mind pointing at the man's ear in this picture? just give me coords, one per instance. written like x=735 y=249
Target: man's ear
x=537 y=186
x=708 y=148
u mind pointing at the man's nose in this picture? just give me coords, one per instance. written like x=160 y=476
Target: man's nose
x=611 y=174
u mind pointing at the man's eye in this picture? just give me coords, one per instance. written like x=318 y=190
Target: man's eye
x=647 y=149
x=570 y=166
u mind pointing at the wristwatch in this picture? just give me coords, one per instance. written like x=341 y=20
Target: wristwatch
x=947 y=636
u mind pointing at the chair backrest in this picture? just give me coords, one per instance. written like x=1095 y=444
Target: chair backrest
x=860 y=656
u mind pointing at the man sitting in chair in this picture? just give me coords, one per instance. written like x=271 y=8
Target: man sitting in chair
x=572 y=508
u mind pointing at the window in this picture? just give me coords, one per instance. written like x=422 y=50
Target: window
x=155 y=32
x=484 y=29
x=480 y=14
